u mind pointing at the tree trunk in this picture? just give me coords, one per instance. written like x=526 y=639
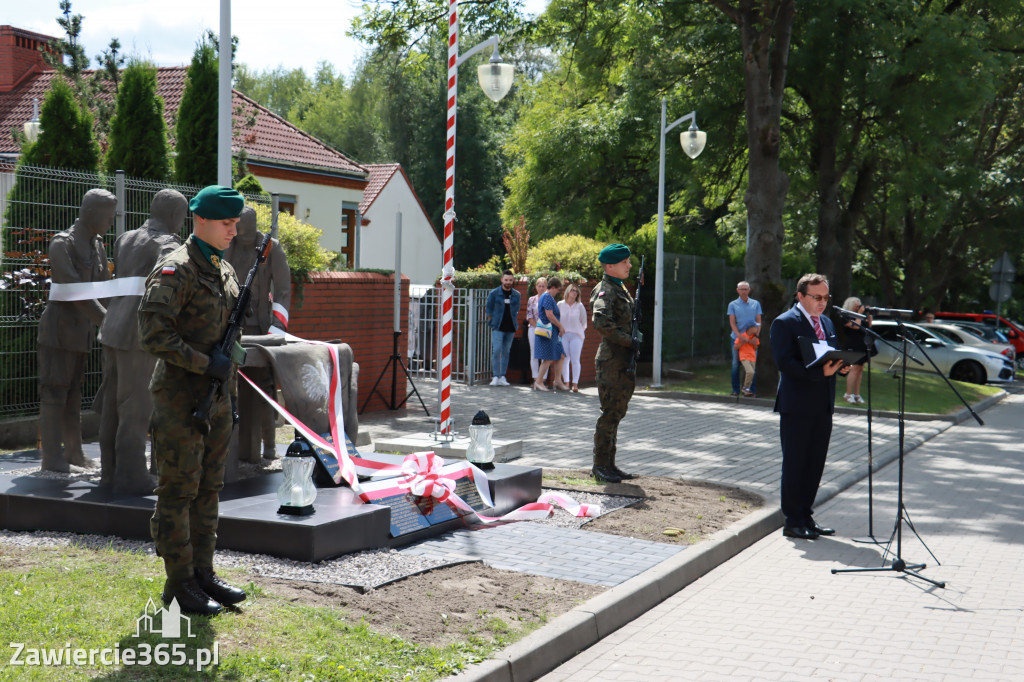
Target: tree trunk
x=766 y=29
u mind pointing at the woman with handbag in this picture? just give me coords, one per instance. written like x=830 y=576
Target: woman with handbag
x=548 y=344
x=531 y=320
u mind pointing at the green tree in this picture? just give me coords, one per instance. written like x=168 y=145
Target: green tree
x=138 y=133
x=67 y=54
x=277 y=89
x=196 y=130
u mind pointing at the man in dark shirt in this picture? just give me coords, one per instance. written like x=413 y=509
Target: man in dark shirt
x=503 y=317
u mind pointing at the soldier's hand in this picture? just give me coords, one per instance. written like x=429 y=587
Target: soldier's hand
x=220 y=365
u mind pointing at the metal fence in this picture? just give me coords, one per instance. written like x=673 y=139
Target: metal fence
x=697 y=293
x=35 y=204
x=471 y=336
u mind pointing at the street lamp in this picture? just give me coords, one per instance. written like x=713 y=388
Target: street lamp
x=496 y=80
x=33 y=127
x=693 y=142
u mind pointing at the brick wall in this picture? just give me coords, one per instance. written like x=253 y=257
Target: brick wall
x=355 y=308
x=19 y=56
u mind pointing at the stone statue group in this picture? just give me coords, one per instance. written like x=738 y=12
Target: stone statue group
x=67 y=329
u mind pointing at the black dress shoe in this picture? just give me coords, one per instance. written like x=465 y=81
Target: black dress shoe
x=191 y=598
x=622 y=474
x=801 y=532
x=813 y=525
x=607 y=474
x=219 y=590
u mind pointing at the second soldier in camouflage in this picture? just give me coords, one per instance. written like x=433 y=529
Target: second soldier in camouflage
x=611 y=306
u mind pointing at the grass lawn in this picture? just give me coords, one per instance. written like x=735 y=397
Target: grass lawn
x=926 y=393
x=86 y=599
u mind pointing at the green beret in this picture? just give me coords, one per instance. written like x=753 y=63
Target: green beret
x=613 y=253
x=217 y=203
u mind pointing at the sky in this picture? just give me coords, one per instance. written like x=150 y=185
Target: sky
x=272 y=33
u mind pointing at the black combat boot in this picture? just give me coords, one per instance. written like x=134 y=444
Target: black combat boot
x=605 y=473
x=191 y=597
x=622 y=474
x=217 y=588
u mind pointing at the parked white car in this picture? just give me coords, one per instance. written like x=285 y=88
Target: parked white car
x=969 y=336
x=956 y=361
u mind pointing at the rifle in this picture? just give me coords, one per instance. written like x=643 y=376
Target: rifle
x=201 y=415
x=638 y=337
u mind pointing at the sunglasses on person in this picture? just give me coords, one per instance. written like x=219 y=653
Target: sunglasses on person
x=819 y=299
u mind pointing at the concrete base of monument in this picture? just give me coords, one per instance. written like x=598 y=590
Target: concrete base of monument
x=249 y=521
x=504 y=450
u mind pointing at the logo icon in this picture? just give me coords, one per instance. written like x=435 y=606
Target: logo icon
x=166 y=622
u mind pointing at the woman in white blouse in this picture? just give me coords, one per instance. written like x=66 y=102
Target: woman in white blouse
x=574 y=318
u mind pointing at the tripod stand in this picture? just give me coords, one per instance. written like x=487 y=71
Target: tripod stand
x=394 y=362
x=898 y=563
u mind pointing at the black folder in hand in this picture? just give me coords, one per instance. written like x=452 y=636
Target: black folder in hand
x=814 y=357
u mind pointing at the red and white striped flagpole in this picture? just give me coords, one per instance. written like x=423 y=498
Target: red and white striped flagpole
x=448 y=266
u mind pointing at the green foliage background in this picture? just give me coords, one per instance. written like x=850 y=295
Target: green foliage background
x=138 y=133
x=196 y=130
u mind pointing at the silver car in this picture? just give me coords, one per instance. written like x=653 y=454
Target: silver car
x=959 y=362
x=969 y=336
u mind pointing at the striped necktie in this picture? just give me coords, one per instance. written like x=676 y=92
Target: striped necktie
x=818 y=331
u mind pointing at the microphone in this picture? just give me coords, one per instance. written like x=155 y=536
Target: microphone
x=849 y=314
x=894 y=312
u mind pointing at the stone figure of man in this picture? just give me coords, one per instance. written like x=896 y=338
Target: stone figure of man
x=268 y=308
x=127 y=404
x=67 y=330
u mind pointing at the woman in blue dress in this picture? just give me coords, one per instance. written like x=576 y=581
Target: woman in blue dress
x=549 y=350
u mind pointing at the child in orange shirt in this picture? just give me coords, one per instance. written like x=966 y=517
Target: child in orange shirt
x=746 y=347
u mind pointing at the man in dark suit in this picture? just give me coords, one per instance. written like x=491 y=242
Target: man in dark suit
x=805 y=402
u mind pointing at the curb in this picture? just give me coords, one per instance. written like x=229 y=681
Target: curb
x=545 y=649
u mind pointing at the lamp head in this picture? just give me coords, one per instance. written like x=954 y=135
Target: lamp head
x=693 y=141
x=495 y=78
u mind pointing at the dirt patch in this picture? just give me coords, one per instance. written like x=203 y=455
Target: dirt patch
x=448 y=604
x=670 y=510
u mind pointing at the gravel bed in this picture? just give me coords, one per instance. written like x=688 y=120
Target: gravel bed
x=363 y=571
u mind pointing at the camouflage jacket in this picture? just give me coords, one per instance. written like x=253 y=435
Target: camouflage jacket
x=611 y=307
x=184 y=314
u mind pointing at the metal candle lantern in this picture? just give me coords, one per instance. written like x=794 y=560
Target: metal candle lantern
x=297 y=492
x=481 y=450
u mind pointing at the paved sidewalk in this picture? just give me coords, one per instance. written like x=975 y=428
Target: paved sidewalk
x=776 y=612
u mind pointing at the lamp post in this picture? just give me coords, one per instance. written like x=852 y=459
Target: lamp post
x=496 y=80
x=693 y=142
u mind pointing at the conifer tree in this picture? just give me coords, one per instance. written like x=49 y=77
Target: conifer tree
x=196 y=130
x=138 y=133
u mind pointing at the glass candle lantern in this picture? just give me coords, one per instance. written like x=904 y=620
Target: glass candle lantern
x=297 y=492
x=481 y=450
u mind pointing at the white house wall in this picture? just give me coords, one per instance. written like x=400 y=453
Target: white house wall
x=421 y=249
x=323 y=202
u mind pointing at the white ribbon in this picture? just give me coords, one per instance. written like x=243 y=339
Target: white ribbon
x=84 y=291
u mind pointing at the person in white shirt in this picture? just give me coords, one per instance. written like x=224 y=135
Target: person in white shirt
x=531 y=319
x=574 y=319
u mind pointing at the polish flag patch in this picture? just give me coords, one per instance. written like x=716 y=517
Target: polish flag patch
x=168 y=270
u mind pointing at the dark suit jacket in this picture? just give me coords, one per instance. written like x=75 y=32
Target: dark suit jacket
x=801 y=390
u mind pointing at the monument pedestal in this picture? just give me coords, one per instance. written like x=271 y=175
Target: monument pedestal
x=504 y=450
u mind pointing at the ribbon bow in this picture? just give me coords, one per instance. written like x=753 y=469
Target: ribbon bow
x=421 y=476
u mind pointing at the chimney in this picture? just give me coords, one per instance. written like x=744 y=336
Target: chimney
x=20 y=56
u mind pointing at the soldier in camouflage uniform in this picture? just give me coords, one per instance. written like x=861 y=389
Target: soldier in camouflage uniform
x=612 y=308
x=183 y=315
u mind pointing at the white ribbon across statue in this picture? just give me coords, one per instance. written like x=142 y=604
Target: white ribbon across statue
x=421 y=473
x=111 y=288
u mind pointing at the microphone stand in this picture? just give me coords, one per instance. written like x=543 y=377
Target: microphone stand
x=897 y=563
x=870 y=340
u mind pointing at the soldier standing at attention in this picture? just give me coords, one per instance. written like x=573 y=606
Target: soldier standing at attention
x=182 y=317
x=612 y=307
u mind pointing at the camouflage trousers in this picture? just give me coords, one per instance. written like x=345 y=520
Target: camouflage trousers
x=615 y=388
x=191 y=476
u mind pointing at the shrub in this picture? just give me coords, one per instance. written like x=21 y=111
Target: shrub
x=250 y=184
x=300 y=241
x=573 y=253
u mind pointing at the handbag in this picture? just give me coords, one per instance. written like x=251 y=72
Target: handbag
x=543 y=329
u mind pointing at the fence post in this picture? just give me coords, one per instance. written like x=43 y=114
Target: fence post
x=471 y=338
x=122 y=198
x=275 y=206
